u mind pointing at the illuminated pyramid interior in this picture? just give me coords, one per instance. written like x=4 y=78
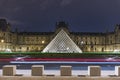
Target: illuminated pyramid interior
x=62 y=43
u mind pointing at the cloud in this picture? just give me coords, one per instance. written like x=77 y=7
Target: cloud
x=65 y=2
x=46 y=3
x=15 y=22
x=9 y=7
x=12 y=21
x=1 y=2
x=26 y=13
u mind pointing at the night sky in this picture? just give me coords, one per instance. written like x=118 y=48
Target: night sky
x=42 y=15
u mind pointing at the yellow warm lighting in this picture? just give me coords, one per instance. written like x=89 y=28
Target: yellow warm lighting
x=2 y=41
x=116 y=51
x=43 y=42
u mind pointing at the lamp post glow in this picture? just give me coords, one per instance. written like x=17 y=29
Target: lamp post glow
x=2 y=41
x=43 y=42
x=82 y=45
x=82 y=42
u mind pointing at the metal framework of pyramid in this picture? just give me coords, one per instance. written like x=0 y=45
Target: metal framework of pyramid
x=62 y=43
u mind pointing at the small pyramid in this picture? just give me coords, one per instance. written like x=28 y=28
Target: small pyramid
x=62 y=43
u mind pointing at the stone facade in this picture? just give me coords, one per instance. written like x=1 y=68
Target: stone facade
x=37 y=41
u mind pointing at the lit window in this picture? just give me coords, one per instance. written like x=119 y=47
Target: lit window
x=43 y=42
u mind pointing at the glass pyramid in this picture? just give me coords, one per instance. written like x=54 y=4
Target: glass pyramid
x=62 y=43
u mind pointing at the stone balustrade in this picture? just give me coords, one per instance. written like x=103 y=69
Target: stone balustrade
x=37 y=73
x=9 y=70
x=37 y=70
x=66 y=70
x=94 y=71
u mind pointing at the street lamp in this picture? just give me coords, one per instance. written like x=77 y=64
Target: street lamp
x=2 y=40
x=82 y=42
x=82 y=45
x=43 y=42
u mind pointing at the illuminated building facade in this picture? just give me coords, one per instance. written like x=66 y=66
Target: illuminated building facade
x=37 y=41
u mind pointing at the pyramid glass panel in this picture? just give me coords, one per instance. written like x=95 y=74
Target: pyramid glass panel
x=62 y=43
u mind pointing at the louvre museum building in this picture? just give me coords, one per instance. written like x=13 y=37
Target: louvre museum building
x=61 y=40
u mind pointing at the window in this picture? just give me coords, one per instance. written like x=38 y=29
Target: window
x=37 y=38
x=86 y=42
x=111 y=42
x=91 y=43
x=95 y=38
x=13 y=47
x=95 y=49
x=95 y=42
x=27 y=48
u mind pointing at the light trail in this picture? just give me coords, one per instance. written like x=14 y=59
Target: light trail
x=61 y=62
